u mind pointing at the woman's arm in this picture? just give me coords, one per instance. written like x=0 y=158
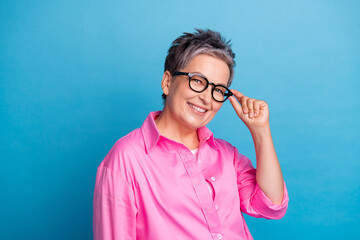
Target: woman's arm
x=255 y=114
x=268 y=172
x=114 y=208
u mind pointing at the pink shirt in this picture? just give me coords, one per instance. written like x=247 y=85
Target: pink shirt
x=150 y=187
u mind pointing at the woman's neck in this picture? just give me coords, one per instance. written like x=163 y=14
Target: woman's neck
x=170 y=128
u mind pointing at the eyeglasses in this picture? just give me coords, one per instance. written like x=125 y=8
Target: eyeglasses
x=199 y=84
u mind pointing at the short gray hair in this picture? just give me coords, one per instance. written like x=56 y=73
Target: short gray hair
x=189 y=45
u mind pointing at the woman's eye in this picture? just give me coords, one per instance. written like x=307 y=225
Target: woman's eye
x=198 y=81
x=218 y=90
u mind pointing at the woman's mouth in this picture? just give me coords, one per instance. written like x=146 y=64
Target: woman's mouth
x=196 y=108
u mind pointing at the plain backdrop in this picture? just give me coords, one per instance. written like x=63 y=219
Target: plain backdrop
x=75 y=76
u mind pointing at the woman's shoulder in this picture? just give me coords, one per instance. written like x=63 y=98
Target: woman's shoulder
x=223 y=144
x=125 y=151
x=133 y=141
x=227 y=146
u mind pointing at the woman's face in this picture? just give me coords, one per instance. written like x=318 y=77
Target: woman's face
x=190 y=109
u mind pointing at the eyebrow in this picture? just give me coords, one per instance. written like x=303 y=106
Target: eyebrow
x=208 y=79
x=203 y=75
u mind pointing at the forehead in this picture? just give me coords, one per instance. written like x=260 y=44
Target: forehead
x=214 y=69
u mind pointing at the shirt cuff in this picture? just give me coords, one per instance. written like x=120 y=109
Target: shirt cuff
x=265 y=207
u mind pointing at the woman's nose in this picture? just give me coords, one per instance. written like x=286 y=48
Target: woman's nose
x=206 y=95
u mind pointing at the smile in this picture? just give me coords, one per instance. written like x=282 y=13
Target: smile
x=197 y=108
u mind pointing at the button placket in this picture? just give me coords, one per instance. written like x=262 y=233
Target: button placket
x=195 y=173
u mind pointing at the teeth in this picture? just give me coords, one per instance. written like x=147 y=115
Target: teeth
x=197 y=108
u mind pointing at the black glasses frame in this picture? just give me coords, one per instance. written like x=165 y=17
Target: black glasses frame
x=190 y=75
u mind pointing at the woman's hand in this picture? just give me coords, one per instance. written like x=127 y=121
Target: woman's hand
x=254 y=113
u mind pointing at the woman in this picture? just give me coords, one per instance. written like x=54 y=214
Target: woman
x=171 y=179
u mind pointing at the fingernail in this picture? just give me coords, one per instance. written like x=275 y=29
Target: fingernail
x=251 y=114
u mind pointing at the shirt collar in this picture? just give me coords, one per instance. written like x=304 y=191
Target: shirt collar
x=152 y=136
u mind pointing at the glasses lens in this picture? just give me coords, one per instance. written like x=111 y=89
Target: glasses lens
x=198 y=83
x=220 y=93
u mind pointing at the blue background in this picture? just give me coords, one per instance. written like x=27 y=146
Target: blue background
x=78 y=75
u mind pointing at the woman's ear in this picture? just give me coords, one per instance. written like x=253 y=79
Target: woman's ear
x=166 y=82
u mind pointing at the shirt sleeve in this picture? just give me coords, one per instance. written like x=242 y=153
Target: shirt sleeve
x=253 y=201
x=114 y=215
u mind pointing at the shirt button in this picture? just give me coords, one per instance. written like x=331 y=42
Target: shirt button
x=213 y=179
x=219 y=236
x=216 y=207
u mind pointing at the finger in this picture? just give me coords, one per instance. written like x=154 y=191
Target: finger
x=236 y=93
x=244 y=106
x=256 y=108
x=236 y=106
x=249 y=104
x=242 y=99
